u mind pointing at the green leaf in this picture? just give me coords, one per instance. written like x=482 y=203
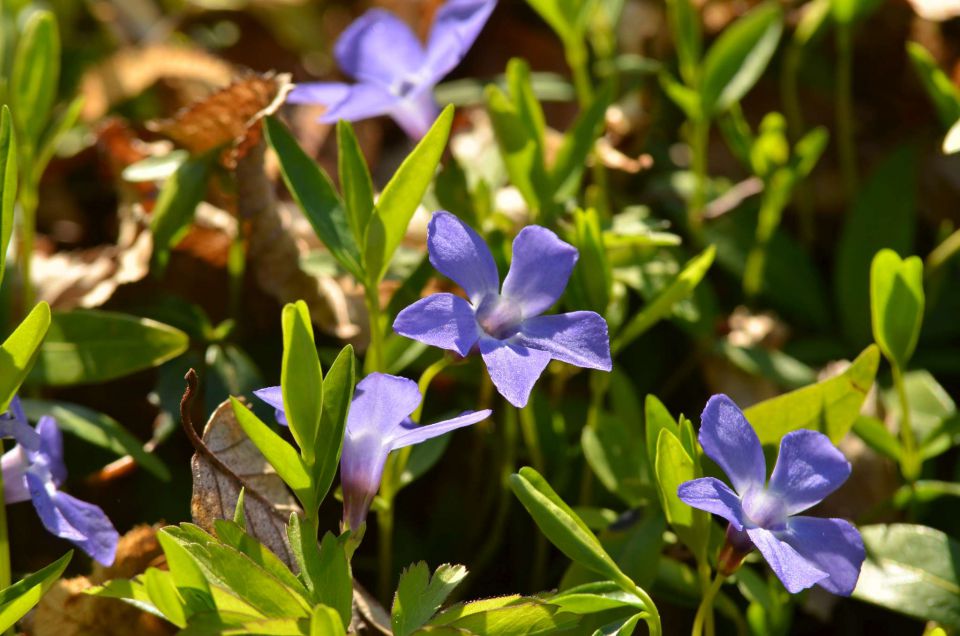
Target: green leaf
x=520 y=617
x=85 y=346
x=164 y=596
x=178 y=200
x=896 y=302
x=687 y=99
x=830 y=406
x=661 y=307
x=19 y=350
x=656 y=418
x=337 y=395
x=674 y=467
x=924 y=491
x=354 y=180
x=739 y=56
x=685 y=28
x=563 y=527
x=334 y=585
x=19 y=598
x=8 y=183
x=591 y=283
x=187 y=575
x=306 y=552
x=281 y=455
x=326 y=622
x=401 y=196
x=615 y=452
x=565 y=17
x=846 y=12
x=634 y=544
x=316 y=196
x=55 y=134
x=882 y=216
x=571 y=159
x=97 y=429
x=35 y=75
x=301 y=380
x=877 y=436
x=912 y=570
x=231 y=534
x=420 y=595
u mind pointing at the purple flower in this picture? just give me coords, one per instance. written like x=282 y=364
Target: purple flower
x=395 y=72
x=33 y=470
x=378 y=422
x=802 y=551
x=515 y=341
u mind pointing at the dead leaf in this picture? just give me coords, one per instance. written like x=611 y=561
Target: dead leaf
x=231 y=116
x=267 y=502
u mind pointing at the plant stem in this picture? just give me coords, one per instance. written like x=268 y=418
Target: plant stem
x=374 y=361
x=909 y=464
x=424 y=384
x=5 y=577
x=700 y=137
x=28 y=229
x=531 y=438
x=385 y=551
x=706 y=606
x=846 y=144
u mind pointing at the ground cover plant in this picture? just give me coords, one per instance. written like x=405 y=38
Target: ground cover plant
x=457 y=317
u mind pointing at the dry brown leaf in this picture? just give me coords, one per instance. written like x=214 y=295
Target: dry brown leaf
x=129 y=72
x=231 y=116
x=67 y=611
x=267 y=502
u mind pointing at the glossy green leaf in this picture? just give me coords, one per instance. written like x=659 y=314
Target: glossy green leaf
x=192 y=586
x=334 y=586
x=19 y=350
x=830 y=406
x=527 y=616
x=326 y=622
x=164 y=595
x=912 y=570
x=35 y=75
x=232 y=535
x=656 y=418
x=8 y=183
x=178 y=200
x=355 y=180
x=883 y=215
x=19 y=598
x=97 y=429
x=877 y=436
x=592 y=280
x=420 y=595
x=674 y=467
x=337 y=395
x=401 y=196
x=306 y=552
x=281 y=455
x=661 y=307
x=84 y=346
x=301 y=379
x=562 y=526
x=738 y=58
x=316 y=196
x=896 y=302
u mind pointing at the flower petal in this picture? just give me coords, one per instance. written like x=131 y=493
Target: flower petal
x=540 y=269
x=361 y=469
x=415 y=434
x=381 y=402
x=379 y=47
x=440 y=320
x=833 y=545
x=14 y=465
x=362 y=101
x=729 y=440
x=809 y=467
x=459 y=253
x=579 y=338
x=714 y=496
x=455 y=28
x=416 y=112
x=51 y=448
x=273 y=395
x=325 y=93
x=14 y=424
x=793 y=569
x=513 y=368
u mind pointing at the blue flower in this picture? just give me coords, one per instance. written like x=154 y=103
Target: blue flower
x=802 y=551
x=34 y=469
x=395 y=72
x=505 y=324
x=378 y=423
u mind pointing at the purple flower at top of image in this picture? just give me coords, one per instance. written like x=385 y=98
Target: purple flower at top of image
x=505 y=323
x=395 y=73
x=802 y=551
x=378 y=423
x=33 y=470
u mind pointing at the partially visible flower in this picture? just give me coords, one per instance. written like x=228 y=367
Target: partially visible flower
x=34 y=469
x=378 y=423
x=395 y=72
x=273 y=395
x=505 y=324
x=802 y=551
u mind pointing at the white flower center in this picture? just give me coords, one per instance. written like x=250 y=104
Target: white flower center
x=499 y=318
x=764 y=509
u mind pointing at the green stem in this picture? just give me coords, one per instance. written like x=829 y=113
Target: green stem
x=374 y=361
x=5 y=577
x=698 y=202
x=28 y=228
x=531 y=438
x=941 y=254
x=846 y=143
x=424 y=384
x=909 y=464
x=385 y=551
x=706 y=606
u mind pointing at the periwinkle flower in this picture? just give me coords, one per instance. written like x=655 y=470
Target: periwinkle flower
x=802 y=551
x=34 y=470
x=395 y=72
x=505 y=324
x=378 y=423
